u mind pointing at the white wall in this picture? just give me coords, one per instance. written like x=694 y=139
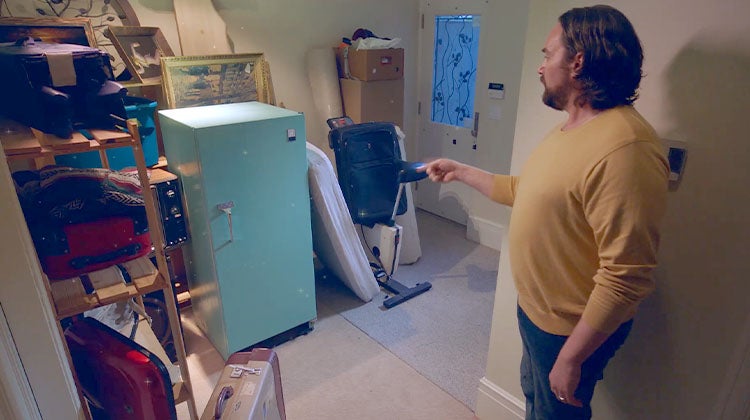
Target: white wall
x=685 y=348
x=284 y=30
x=29 y=316
x=160 y=14
x=503 y=54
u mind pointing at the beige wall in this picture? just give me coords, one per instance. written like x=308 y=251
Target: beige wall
x=685 y=347
x=159 y=13
x=285 y=30
x=503 y=54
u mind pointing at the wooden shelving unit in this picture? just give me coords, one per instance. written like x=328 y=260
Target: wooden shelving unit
x=69 y=298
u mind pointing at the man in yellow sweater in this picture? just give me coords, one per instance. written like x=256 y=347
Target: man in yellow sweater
x=587 y=206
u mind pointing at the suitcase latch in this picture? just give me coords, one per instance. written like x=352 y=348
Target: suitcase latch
x=238 y=370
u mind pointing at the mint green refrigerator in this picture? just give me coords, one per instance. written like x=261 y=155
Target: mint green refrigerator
x=249 y=261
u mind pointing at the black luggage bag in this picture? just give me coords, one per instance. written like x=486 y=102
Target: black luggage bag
x=368 y=160
x=56 y=87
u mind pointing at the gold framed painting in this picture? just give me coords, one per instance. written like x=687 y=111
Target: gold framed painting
x=53 y=30
x=141 y=49
x=216 y=79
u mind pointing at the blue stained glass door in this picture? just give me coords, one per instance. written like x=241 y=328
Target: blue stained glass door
x=450 y=50
x=455 y=69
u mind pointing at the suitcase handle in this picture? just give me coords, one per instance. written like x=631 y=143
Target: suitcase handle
x=86 y=260
x=225 y=394
x=26 y=41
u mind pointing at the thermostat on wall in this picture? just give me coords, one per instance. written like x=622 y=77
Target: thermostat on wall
x=496 y=90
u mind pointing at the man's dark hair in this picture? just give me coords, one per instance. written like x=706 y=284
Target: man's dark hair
x=612 y=55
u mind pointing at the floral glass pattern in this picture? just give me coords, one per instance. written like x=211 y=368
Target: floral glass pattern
x=455 y=69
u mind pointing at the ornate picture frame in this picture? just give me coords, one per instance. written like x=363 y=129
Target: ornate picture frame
x=216 y=79
x=141 y=49
x=53 y=30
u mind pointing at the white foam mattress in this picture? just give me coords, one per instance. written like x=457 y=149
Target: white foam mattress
x=335 y=239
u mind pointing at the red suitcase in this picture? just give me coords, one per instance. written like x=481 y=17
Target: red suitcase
x=82 y=219
x=249 y=389
x=120 y=378
x=91 y=246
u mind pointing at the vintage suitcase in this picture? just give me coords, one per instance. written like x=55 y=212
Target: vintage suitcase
x=56 y=87
x=368 y=161
x=119 y=377
x=75 y=249
x=83 y=220
x=249 y=388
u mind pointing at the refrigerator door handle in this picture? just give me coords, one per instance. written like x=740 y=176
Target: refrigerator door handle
x=227 y=209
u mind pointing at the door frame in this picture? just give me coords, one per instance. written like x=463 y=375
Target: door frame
x=16 y=398
x=35 y=333
x=462 y=194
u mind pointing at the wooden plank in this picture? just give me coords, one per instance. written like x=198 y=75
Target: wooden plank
x=110 y=136
x=17 y=139
x=148 y=283
x=78 y=143
x=157 y=176
x=70 y=297
x=113 y=293
x=180 y=392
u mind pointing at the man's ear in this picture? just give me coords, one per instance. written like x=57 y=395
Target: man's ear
x=576 y=64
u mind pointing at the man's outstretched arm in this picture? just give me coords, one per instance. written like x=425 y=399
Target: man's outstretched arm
x=499 y=188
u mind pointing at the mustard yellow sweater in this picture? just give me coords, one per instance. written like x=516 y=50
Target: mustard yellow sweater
x=584 y=230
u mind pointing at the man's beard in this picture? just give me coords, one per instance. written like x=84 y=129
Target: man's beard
x=556 y=99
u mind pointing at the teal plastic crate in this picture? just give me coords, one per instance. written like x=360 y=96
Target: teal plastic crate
x=122 y=157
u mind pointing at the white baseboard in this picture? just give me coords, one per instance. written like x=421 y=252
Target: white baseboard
x=485 y=232
x=494 y=403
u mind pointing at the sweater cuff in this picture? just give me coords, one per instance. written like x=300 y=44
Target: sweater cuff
x=603 y=313
x=503 y=189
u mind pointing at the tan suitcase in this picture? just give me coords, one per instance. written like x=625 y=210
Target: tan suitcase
x=249 y=389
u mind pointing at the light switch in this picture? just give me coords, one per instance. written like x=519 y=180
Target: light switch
x=676 y=156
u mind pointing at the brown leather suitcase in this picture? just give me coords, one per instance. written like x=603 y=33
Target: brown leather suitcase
x=249 y=389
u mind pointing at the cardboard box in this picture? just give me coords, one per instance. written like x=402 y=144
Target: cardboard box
x=381 y=100
x=370 y=65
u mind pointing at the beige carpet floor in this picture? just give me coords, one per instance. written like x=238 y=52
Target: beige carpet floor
x=341 y=371
x=335 y=372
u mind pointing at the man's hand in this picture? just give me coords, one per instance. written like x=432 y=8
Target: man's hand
x=566 y=372
x=447 y=170
x=442 y=170
x=563 y=380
